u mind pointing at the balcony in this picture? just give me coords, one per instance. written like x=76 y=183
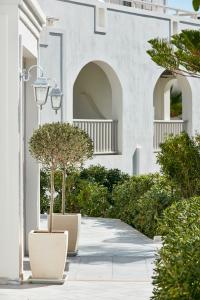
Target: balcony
x=155 y=5
x=103 y=134
x=164 y=128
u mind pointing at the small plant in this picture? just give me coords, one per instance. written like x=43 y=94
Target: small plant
x=59 y=145
x=44 y=146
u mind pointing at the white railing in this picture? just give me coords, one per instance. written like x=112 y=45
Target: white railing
x=103 y=134
x=164 y=128
x=154 y=6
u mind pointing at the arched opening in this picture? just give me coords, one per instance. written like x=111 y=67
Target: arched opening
x=172 y=106
x=97 y=106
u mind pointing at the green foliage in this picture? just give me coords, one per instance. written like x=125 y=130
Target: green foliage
x=44 y=189
x=76 y=146
x=93 y=199
x=126 y=196
x=176 y=104
x=151 y=205
x=98 y=192
x=60 y=144
x=72 y=190
x=180 y=162
x=106 y=177
x=196 y=4
x=177 y=269
x=179 y=55
x=88 y=198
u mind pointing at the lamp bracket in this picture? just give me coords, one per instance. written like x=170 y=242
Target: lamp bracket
x=25 y=75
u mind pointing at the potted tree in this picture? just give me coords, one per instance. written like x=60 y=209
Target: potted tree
x=75 y=148
x=47 y=249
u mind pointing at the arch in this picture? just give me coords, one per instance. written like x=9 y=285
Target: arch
x=162 y=95
x=97 y=95
x=165 y=122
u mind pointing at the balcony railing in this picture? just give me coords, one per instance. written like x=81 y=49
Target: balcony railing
x=164 y=128
x=153 y=6
x=103 y=134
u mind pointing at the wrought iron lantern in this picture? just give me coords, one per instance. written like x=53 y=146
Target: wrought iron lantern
x=56 y=98
x=41 y=89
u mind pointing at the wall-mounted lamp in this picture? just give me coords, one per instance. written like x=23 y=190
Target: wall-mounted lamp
x=56 y=98
x=41 y=89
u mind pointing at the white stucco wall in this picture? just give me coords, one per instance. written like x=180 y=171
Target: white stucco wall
x=17 y=39
x=123 y=48
x=10 y=143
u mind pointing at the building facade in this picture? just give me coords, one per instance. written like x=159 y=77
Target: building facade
x=111 y=87
x=96 y=52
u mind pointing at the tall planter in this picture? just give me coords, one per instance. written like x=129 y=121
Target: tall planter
x=72 y=224
x=47 y=255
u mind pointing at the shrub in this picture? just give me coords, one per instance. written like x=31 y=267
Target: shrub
x=180 y=162
x=126 y=196
x=90 y=199
x=177 y=269
x=71 y=189
x=95 y=174
x=151 y=205
x=106 y=177
x=93 y=199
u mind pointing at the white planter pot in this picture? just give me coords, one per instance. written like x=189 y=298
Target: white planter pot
x=71 y=223
x=47 y=252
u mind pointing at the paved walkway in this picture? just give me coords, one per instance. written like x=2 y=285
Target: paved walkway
x=115 y=262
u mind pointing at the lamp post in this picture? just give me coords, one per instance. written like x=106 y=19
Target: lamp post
x=41 y=89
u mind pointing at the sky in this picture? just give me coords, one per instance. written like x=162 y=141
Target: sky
x=184 y=4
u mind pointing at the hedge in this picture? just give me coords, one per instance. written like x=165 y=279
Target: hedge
x=177 y=272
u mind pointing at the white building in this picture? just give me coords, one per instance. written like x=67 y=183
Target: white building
x=112 y=89
x=96 y=51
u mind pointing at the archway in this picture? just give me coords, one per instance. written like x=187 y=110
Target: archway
x=97 y=106
x=172 y=107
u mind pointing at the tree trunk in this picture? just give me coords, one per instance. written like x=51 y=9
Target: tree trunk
x=63 y=190
x=51 y=202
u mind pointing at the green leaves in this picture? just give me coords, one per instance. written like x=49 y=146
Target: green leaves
x=180 y=55
x=162 y=54
x=177 y=269
x=196 y=4
x=179 y=160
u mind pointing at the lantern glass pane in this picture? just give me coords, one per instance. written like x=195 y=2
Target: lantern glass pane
x=41 y=95
x=56 y=102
